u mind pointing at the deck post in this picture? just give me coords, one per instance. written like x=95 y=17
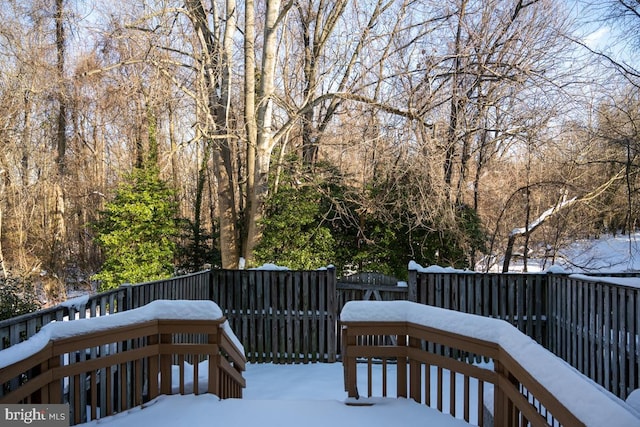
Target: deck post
x=165 y=364
x=349 y=364
x=214 y=363
x=402 y=367
x=415 y=372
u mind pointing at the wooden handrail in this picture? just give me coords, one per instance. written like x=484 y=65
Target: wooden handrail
x=107 y=371
x=427 y=337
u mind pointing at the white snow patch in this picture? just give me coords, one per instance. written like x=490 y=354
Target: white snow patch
x=270 y=267
x=435 y=269
x=556 y=269
x=633 y=399
x=206 y=410
x=76 y=303
x=546 y=214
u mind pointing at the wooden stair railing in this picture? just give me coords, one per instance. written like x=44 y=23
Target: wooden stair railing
x=126 y=360
x=528 y=384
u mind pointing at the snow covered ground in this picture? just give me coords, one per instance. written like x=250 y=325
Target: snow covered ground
x=282 y=395
x=607 y=254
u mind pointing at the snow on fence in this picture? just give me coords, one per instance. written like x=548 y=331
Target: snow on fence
x=524 y=385
x=189 y=287
x=109 y=364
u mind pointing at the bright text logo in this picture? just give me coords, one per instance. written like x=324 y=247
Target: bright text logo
x=36 y=415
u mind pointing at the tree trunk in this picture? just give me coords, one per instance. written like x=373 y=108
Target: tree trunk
x=230 y=253
x=218 y=60
x=197 y=211
x=62 y=102
x=249 y=113
x=456 y=104
x=4 y=269
x=58 y=226
x=264 y=146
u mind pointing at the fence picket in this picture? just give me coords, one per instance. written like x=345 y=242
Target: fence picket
x=306 y=307
x=591 y=373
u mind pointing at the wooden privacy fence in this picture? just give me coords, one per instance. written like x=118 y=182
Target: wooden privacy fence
x=594 y=324
x=121 y=363
x=520 y=299
x=280 y=316
x=528 y=385
x=190 y=287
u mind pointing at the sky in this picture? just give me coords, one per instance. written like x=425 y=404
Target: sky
x=605 y=35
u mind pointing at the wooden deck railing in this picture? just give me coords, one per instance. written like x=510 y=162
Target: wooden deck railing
x=524 y=383
x=109 y=364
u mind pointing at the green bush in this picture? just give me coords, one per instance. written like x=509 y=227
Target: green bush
x=294 y=234
x=137 y=231
x=17 y=297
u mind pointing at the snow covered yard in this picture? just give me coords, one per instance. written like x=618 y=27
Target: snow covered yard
x=282 y=395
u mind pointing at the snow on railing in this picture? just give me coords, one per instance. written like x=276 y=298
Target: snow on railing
x=524 y=382
x=108 y=364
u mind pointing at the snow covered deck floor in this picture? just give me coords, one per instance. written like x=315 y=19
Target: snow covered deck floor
x=282 y=395
x=207 y=410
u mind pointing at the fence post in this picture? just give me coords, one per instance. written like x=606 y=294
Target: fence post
x=413 y=285
x=210 y=285
x=549 y=287
x=127 y=301
x=332 y=308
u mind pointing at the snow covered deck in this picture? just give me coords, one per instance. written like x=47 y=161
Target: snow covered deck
x=143 y=365
x=278 y=395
